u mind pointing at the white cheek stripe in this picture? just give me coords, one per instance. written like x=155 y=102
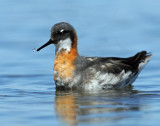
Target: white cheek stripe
x=64 y=44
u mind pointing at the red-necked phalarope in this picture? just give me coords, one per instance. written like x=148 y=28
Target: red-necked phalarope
x=74 y=71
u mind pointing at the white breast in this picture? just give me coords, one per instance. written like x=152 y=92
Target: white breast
x=103 y=79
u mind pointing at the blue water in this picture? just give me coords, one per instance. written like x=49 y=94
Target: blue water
x=105 y=28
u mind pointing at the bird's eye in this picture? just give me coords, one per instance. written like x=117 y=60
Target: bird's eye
x=61 y=32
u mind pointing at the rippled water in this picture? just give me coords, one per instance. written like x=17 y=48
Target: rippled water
x=108 y=28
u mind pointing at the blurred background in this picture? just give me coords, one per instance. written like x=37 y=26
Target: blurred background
x=105 y=28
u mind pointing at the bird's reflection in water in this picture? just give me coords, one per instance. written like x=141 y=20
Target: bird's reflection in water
x=74 y=107
x=66 y=107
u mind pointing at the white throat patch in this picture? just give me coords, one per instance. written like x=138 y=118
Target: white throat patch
x=64 y=44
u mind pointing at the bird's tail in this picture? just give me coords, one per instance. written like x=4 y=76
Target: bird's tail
x=140 y=59
x=146 y=59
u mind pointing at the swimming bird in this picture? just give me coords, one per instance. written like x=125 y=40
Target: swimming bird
x=91 y=73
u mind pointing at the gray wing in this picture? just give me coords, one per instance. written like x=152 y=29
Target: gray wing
x=106 y=65
x=113 y=65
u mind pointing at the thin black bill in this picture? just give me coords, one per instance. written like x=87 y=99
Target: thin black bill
x=46 y=44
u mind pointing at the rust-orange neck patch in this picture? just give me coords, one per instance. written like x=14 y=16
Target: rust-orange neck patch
x=64 y=64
